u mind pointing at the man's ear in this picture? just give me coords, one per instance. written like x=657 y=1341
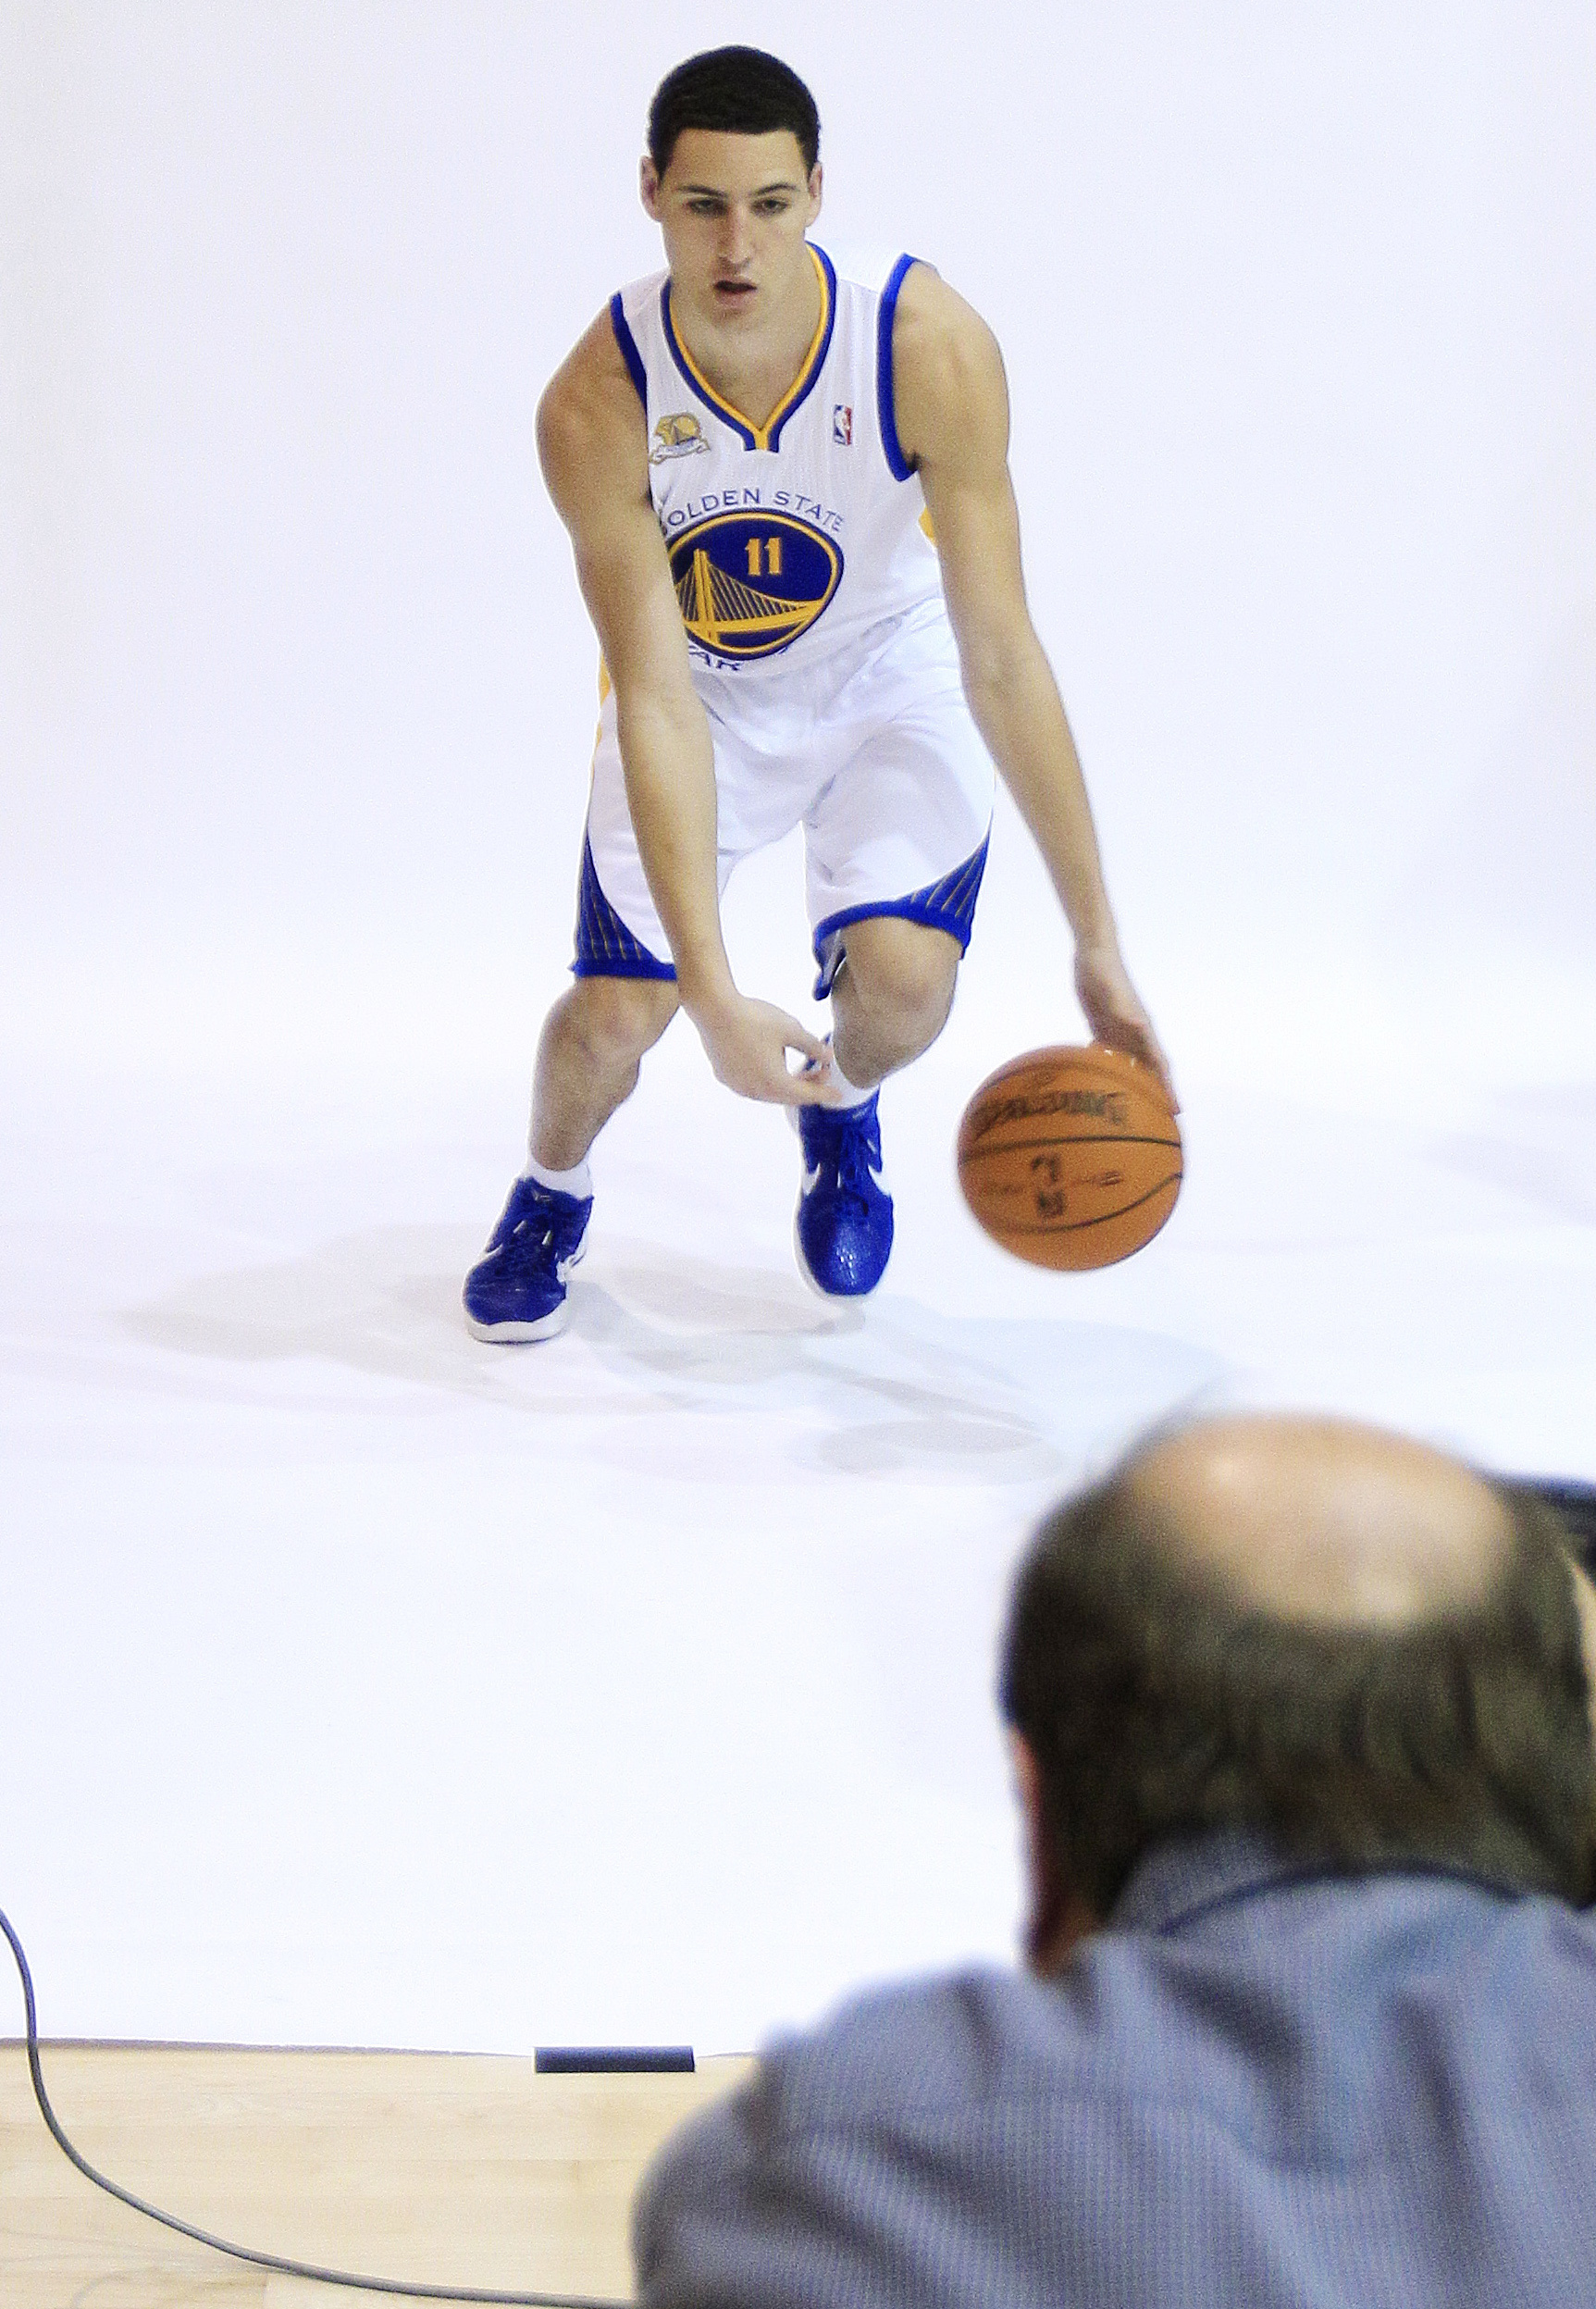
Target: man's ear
x=649 y=186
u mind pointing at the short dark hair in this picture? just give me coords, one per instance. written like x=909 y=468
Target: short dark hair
x=1157 y=1703
x=1574 y=1504
x=741 y=92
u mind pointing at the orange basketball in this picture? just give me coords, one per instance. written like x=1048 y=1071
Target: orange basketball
x=1070 y=1158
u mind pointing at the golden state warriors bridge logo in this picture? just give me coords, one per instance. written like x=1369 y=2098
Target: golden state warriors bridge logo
x=750 y=582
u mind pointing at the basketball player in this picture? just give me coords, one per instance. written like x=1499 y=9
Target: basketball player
x=787 y=493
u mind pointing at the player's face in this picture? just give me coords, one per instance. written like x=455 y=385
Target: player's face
x=734 y=211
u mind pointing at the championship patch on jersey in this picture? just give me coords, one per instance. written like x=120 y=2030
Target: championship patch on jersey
x=677 y=435
x=749 y=583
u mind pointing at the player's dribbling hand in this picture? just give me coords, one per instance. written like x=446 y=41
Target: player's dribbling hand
x=1115 y=1015
x=746 y=1043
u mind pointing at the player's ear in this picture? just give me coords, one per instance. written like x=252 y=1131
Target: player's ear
x=649 y=186
x=816 y=185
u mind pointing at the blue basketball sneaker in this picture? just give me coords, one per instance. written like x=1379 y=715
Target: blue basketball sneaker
x=516 y=1290
x=842 y=1230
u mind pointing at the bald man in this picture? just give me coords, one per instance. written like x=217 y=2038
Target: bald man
x=1305 y=1746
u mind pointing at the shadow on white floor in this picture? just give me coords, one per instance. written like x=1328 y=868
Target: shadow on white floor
x=895 y=1386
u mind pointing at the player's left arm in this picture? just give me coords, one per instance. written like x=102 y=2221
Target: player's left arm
x=951 y=405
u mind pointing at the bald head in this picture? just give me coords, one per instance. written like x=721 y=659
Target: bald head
x=1313 y=1628
x=1322 y=1521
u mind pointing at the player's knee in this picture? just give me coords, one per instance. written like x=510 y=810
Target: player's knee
x=617 y=1019
x=904 y=971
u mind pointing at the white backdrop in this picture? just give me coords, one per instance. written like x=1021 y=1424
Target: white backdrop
x=1300 y=321
x=295 y=702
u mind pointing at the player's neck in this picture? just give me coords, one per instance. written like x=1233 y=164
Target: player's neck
x=753 y=364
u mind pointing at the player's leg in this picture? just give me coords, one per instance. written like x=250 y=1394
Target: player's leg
x=890 y=996
x=588 y=1054
x=592 y=1046
x=897 y=845
x=891 y=977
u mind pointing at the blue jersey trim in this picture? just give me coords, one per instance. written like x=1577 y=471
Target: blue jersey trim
x=812 y=379
x=947 y=905
x=605 y=947
x=898 y=464
x=718 y=408
x=629 y=352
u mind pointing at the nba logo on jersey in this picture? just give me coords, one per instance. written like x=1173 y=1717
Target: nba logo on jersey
x=842 y=425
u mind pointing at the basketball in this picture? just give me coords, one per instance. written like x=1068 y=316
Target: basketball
x=1070 y=1158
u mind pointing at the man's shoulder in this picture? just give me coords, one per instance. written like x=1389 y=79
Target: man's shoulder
x=953 y=2040
x=871 y=266
x=639 y=295
x=933 y=319
x=591 y=411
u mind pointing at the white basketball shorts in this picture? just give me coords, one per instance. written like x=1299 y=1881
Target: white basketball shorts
x=880 y=762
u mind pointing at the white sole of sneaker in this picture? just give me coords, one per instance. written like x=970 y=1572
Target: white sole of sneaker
x=520 y=1333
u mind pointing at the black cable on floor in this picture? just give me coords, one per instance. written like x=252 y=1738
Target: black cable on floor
x=243 y=2252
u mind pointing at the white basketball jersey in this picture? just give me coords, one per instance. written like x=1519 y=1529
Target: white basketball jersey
x=792 y=540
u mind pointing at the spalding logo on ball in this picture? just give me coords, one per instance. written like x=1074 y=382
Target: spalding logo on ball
x=1070 y=1158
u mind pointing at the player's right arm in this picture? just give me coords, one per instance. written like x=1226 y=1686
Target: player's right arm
x=593 y=444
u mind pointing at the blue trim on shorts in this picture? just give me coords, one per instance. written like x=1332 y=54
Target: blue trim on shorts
x=947 y=905
x=605 y=947
x=897 y=463
x=628 y=344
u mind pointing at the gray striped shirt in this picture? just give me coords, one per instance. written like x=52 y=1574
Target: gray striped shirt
x=1259 y=2087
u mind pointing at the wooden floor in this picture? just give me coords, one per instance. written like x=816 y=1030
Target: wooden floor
x=441 y=2168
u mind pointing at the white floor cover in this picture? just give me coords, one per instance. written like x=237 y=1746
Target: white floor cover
x=368 y=1684
x=363 y=1683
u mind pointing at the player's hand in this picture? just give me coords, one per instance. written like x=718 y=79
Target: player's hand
x=746 y=1043
x=1115 y=1014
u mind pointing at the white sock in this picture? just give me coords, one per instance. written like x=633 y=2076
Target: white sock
x=851 y=1094
x=579 y=1182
